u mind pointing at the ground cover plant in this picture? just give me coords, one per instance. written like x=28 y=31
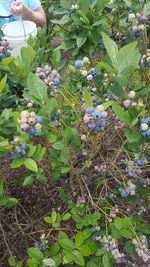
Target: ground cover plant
x=75 y=139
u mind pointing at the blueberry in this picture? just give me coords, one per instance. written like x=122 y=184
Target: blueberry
x=137 y=34
x=32 y=131
x=96 y=115
x=89 y=110
x=140 y=162
x=98 y=102
x=111 y=195
x=24 y=147
x=56 y=82
x=13 y=143
x=39 y=119
x=148 y=157
x=97 y=128
x=78 y=64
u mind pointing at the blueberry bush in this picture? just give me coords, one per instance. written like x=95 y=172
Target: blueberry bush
x=77 y=131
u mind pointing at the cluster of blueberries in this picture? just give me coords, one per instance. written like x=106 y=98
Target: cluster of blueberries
x=26 y=101
x=95 y=117
x=138 y=20
x=84 y=67
x=30 y=123
x=145 y=59
x=129 y=190
x=18 y=150
x=145 y=127
x=50 y=77
x=4 y=46
x=110 y=244
x=141 y=247
x=42 y=244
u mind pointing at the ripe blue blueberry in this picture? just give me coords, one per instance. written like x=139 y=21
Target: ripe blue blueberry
x=24 y=147
x=39 y=119
x=78 y=64
x=56 y=82
x=89 y=110
x=96 y=115
x=137 y=34
x=32 y=131
x=140 y=162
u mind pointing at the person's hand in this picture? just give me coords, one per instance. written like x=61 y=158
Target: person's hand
x=16 y=8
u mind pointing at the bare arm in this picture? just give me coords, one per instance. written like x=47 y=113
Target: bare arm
x=37 y=15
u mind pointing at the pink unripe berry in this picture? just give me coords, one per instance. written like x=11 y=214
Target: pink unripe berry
x=141 y=27
x=32 y=114
x=89 y=77
x=131 y=94
x=100 y=108
x=83 y=137
x=104 y=114
x=2 y=49
x=16 y=139
x=5 y=43
x=38 y=126
x=54 y=72
x=86 y=60
x=31 y=121
x=29 y=105
x=22 y=120
x=134 y=28
x=25 y=127
x=24 y=113
x=38 y=70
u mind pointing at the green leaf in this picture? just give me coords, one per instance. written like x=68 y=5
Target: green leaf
x=111 y=47
x=8 y=201
x=107 y=260
x=100 y=252
x=121 y=114
x=3 y=83
x=68 y=257
x=78 y=258
x=84 y=5
x=54 y=249
x=66 y=216
x=66 y=243
x=12 y=261
x=132 y=135
x=37 y=88
x=35 y=253
x=81 y=39
x=85 y=250
x=122 y=223
x=28 y=180
x=17 y=163
x=51 y=107
x=62 y=21
x=124 y=56
x=59 y=145
x=56 y=57
x=79 y=238
x=32 y=262
x=31 y=165
x=49 y=262
x=87 y=98
x=126 y=233
x=106 y=66
x=27 y=55
x=147 y=9
x=65 y=4
x=2 y=186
